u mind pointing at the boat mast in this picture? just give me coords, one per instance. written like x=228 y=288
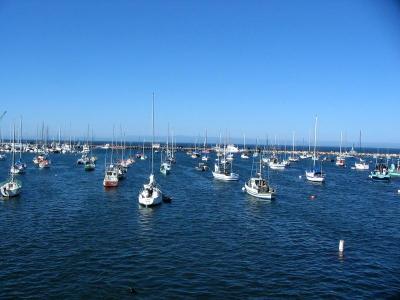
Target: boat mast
x=112 y=146
x=13 y=154
x=341 y=141
x=152 y=137
x=293 y=145
x=315 y=140
x=20 y=139
x=166 y=152
x=206 y=141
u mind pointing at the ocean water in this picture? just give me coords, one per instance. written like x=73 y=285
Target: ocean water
x=68 y=237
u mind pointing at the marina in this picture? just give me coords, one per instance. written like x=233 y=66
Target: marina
x=199 y=149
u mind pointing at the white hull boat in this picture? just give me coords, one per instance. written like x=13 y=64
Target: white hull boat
x=315 y=176
x=150 y=195
x=254 y=187
x=11 y=188
x=226 y=177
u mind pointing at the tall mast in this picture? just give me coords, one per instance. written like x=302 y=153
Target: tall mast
x=20 y=139
x=112 y=145
x=315 y=139
x=341 y=141
x=13 y=154
x=293 y=145
x=167 y=142
x=152 y=137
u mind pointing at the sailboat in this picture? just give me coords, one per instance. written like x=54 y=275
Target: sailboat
x=151 y=194
x=90 y=164
x=361 y=164
x=171 y=153
x=143 y=154
x=165 y=167
x=205 y=152
x=293 y=157
x=19 y=167
x=256 y=150
x=340 y=160
x=11 y=187
x=195 y=153
x=224 y=170
x=245 y=154
x=315 y=175
x=259 y=187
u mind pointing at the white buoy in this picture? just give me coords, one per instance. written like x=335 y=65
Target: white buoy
x=398 y=191
x=243 y=189
x=341 y=247
x=299 y=176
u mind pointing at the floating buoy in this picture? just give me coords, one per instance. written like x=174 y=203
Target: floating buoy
x=341 y=247
x=398 y=191
x=312 y=197
x=243 y=189
x=299 y=176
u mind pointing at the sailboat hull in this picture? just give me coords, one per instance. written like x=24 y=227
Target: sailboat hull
x=10 y=189
x=361 y=166
x=312 y=176
x=154 y=199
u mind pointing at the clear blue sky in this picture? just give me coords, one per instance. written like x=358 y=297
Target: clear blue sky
x=254 y=67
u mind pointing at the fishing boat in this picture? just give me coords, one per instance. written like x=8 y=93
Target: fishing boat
x=380 y=172
x=111 y=171
x=111 y=176
x=259 y=187
x=44 y=163
x=151 y=194
x=275 y=164
x=315 y=175
x=11 y=187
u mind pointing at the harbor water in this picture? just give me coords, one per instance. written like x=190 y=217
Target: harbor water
x=66 y=236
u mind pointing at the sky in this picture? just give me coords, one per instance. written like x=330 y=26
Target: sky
x=234 y=67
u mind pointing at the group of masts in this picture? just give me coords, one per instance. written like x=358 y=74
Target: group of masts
x=257 y=185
